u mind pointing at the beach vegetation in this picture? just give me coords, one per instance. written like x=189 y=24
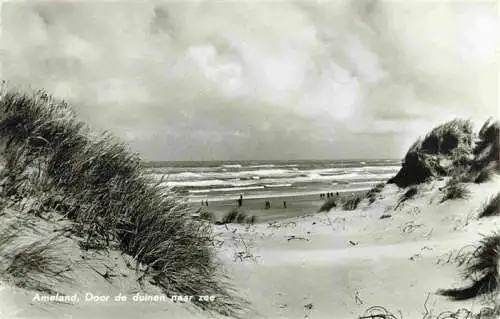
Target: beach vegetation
x=352 y=202
x=328 y=205
x=442 y=150
x=207 y=216
x=409 y=194
x=491 y=207
x=483 y=271
x=374 y=192
x=238 y=216
x=109 y=200
x=38 y=266
x=455 y=190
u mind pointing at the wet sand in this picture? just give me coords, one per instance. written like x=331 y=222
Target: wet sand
x=297 y=205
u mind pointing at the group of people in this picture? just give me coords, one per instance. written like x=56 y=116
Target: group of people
x=267 y=203
x=328 y=195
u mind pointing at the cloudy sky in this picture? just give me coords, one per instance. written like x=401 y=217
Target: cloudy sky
x=202 y=80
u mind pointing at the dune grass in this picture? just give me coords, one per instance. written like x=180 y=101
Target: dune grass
x=372 y=193
x=491 y=207
x=455 y=191
x=108 y=198
x=238 y=216
x=328 y=205
x=482 y=270
x=487 y=148
x=450 y=143
x=409 y=194
x=208 y=216
x=485 y=175
x=352 y=202
x=39 y=266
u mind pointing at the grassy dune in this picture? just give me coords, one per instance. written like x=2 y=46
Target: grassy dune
x=93 y=181
x=455 y=151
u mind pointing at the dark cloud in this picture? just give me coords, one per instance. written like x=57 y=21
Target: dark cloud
x=212 y=80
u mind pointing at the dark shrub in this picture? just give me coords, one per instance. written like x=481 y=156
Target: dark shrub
x=483 y=271
x=455 y=191
x=372 y=193
x=491 y=207
x=352 y=203
x=447 y=143
x=328 y=205
x=409 y=194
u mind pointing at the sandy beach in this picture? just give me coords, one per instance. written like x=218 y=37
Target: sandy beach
x=325 y=265
x=166 y=159
x=295 y=206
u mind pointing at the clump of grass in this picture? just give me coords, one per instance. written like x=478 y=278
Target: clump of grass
x=38 y=266
x=455 y=191
x=251 y=220
x=208 y=216
x=238 y=216
x=372 y=193
x=111 y=202
x=491 y=207
x=485 y=175
x=328 y=205
x=409 y=194
x=483 y=271
x=231 y=216
x=487 y=148
x=352 y=202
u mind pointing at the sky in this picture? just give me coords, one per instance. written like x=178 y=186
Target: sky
x=240 y=80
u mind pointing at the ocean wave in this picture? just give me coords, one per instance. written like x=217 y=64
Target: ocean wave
x=231 y=166
x=277 y=185
x=202 y=183
x=226 y=189
x=261 y=166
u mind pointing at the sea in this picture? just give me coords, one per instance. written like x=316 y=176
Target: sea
x=227 y=180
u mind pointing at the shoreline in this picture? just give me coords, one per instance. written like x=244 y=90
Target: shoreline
x=296 y=206
x=263 y=197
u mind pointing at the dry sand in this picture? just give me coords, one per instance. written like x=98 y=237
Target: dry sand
x=328 y=265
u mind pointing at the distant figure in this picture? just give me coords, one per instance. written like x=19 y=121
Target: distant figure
x=206 y=202
x=268 y=204
x=202 y=203
x=337 y=194
x=327 y=195
x=284 y=204
x=321 y=196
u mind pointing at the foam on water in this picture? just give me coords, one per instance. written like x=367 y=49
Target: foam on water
x=267 y=179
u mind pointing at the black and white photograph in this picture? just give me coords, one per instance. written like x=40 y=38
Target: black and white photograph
x=249 y=159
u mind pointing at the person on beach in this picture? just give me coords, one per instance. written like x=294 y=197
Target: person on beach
x=206 y=202
x=284 y=204
x=240 y=201
x=327 y=195
x=337 y=194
